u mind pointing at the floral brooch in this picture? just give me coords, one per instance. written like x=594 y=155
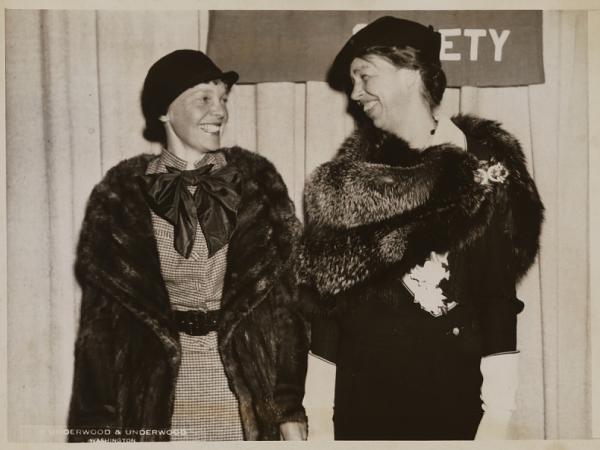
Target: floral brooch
x=423 y=282
x=491 y=172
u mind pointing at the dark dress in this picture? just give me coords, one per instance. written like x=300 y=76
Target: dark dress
x=403 y=373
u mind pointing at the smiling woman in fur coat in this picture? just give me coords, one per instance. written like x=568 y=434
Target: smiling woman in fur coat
x=189 y=325
x=417 y=233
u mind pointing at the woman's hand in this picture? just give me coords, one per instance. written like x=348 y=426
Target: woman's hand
x=293 y=431
x=494 y=426
x=498 y=392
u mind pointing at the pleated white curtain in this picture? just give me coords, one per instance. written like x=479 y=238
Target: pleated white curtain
x=72 y=98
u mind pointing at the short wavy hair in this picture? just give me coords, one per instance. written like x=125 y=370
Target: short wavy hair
x=434 y=78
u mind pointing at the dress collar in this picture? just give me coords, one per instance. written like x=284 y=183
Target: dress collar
x=169 y=159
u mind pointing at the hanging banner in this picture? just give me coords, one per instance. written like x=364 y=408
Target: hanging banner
x=479 y=48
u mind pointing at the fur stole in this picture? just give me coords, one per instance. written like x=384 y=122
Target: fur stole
x=366 y=206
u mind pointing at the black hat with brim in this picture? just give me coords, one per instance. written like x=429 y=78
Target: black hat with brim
x=386 y=31
x=175 y=73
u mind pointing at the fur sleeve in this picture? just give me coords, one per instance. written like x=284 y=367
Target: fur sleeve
x=275 y=351
x=93 y=404
x=289 y=327
x=93 y=400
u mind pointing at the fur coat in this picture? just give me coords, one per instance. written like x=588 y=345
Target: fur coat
x=378 y=209
x=128 y=353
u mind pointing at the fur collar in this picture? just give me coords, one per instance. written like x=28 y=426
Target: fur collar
x=365 y=207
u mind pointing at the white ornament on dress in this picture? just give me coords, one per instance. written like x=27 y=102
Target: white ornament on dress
x=423 y=282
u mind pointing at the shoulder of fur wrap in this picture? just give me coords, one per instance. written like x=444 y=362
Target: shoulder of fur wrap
x=262 y=181
x=526 y=211
x=361 y=214
x=125 y=171
x=117 y=192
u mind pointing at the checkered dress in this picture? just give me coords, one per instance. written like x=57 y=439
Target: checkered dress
x=204 y=406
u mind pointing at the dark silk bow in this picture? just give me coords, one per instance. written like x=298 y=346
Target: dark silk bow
x=214 y=204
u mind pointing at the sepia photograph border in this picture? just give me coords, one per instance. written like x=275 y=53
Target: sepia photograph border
x=593 y=8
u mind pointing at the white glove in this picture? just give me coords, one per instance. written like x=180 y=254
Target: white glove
x=498 y=392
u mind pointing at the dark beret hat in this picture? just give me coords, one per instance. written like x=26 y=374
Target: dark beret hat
x=386 y=31
x=174 y=73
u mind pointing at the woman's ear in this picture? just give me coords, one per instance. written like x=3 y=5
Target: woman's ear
x=163 y=118
x=173 y=142
x=409 y=78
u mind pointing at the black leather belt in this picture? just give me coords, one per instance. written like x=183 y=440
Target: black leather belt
x=195 y=322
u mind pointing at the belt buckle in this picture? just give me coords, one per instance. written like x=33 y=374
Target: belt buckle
x=196 y=323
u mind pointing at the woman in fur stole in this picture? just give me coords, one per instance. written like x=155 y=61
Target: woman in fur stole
x=417 y=233
x=189 y=324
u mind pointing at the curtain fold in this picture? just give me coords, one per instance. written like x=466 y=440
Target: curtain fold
x=73 y=81
x=28 y=217
x=572 y=236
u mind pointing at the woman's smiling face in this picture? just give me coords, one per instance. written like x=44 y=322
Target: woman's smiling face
x=198 y=115
x=383 y=90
